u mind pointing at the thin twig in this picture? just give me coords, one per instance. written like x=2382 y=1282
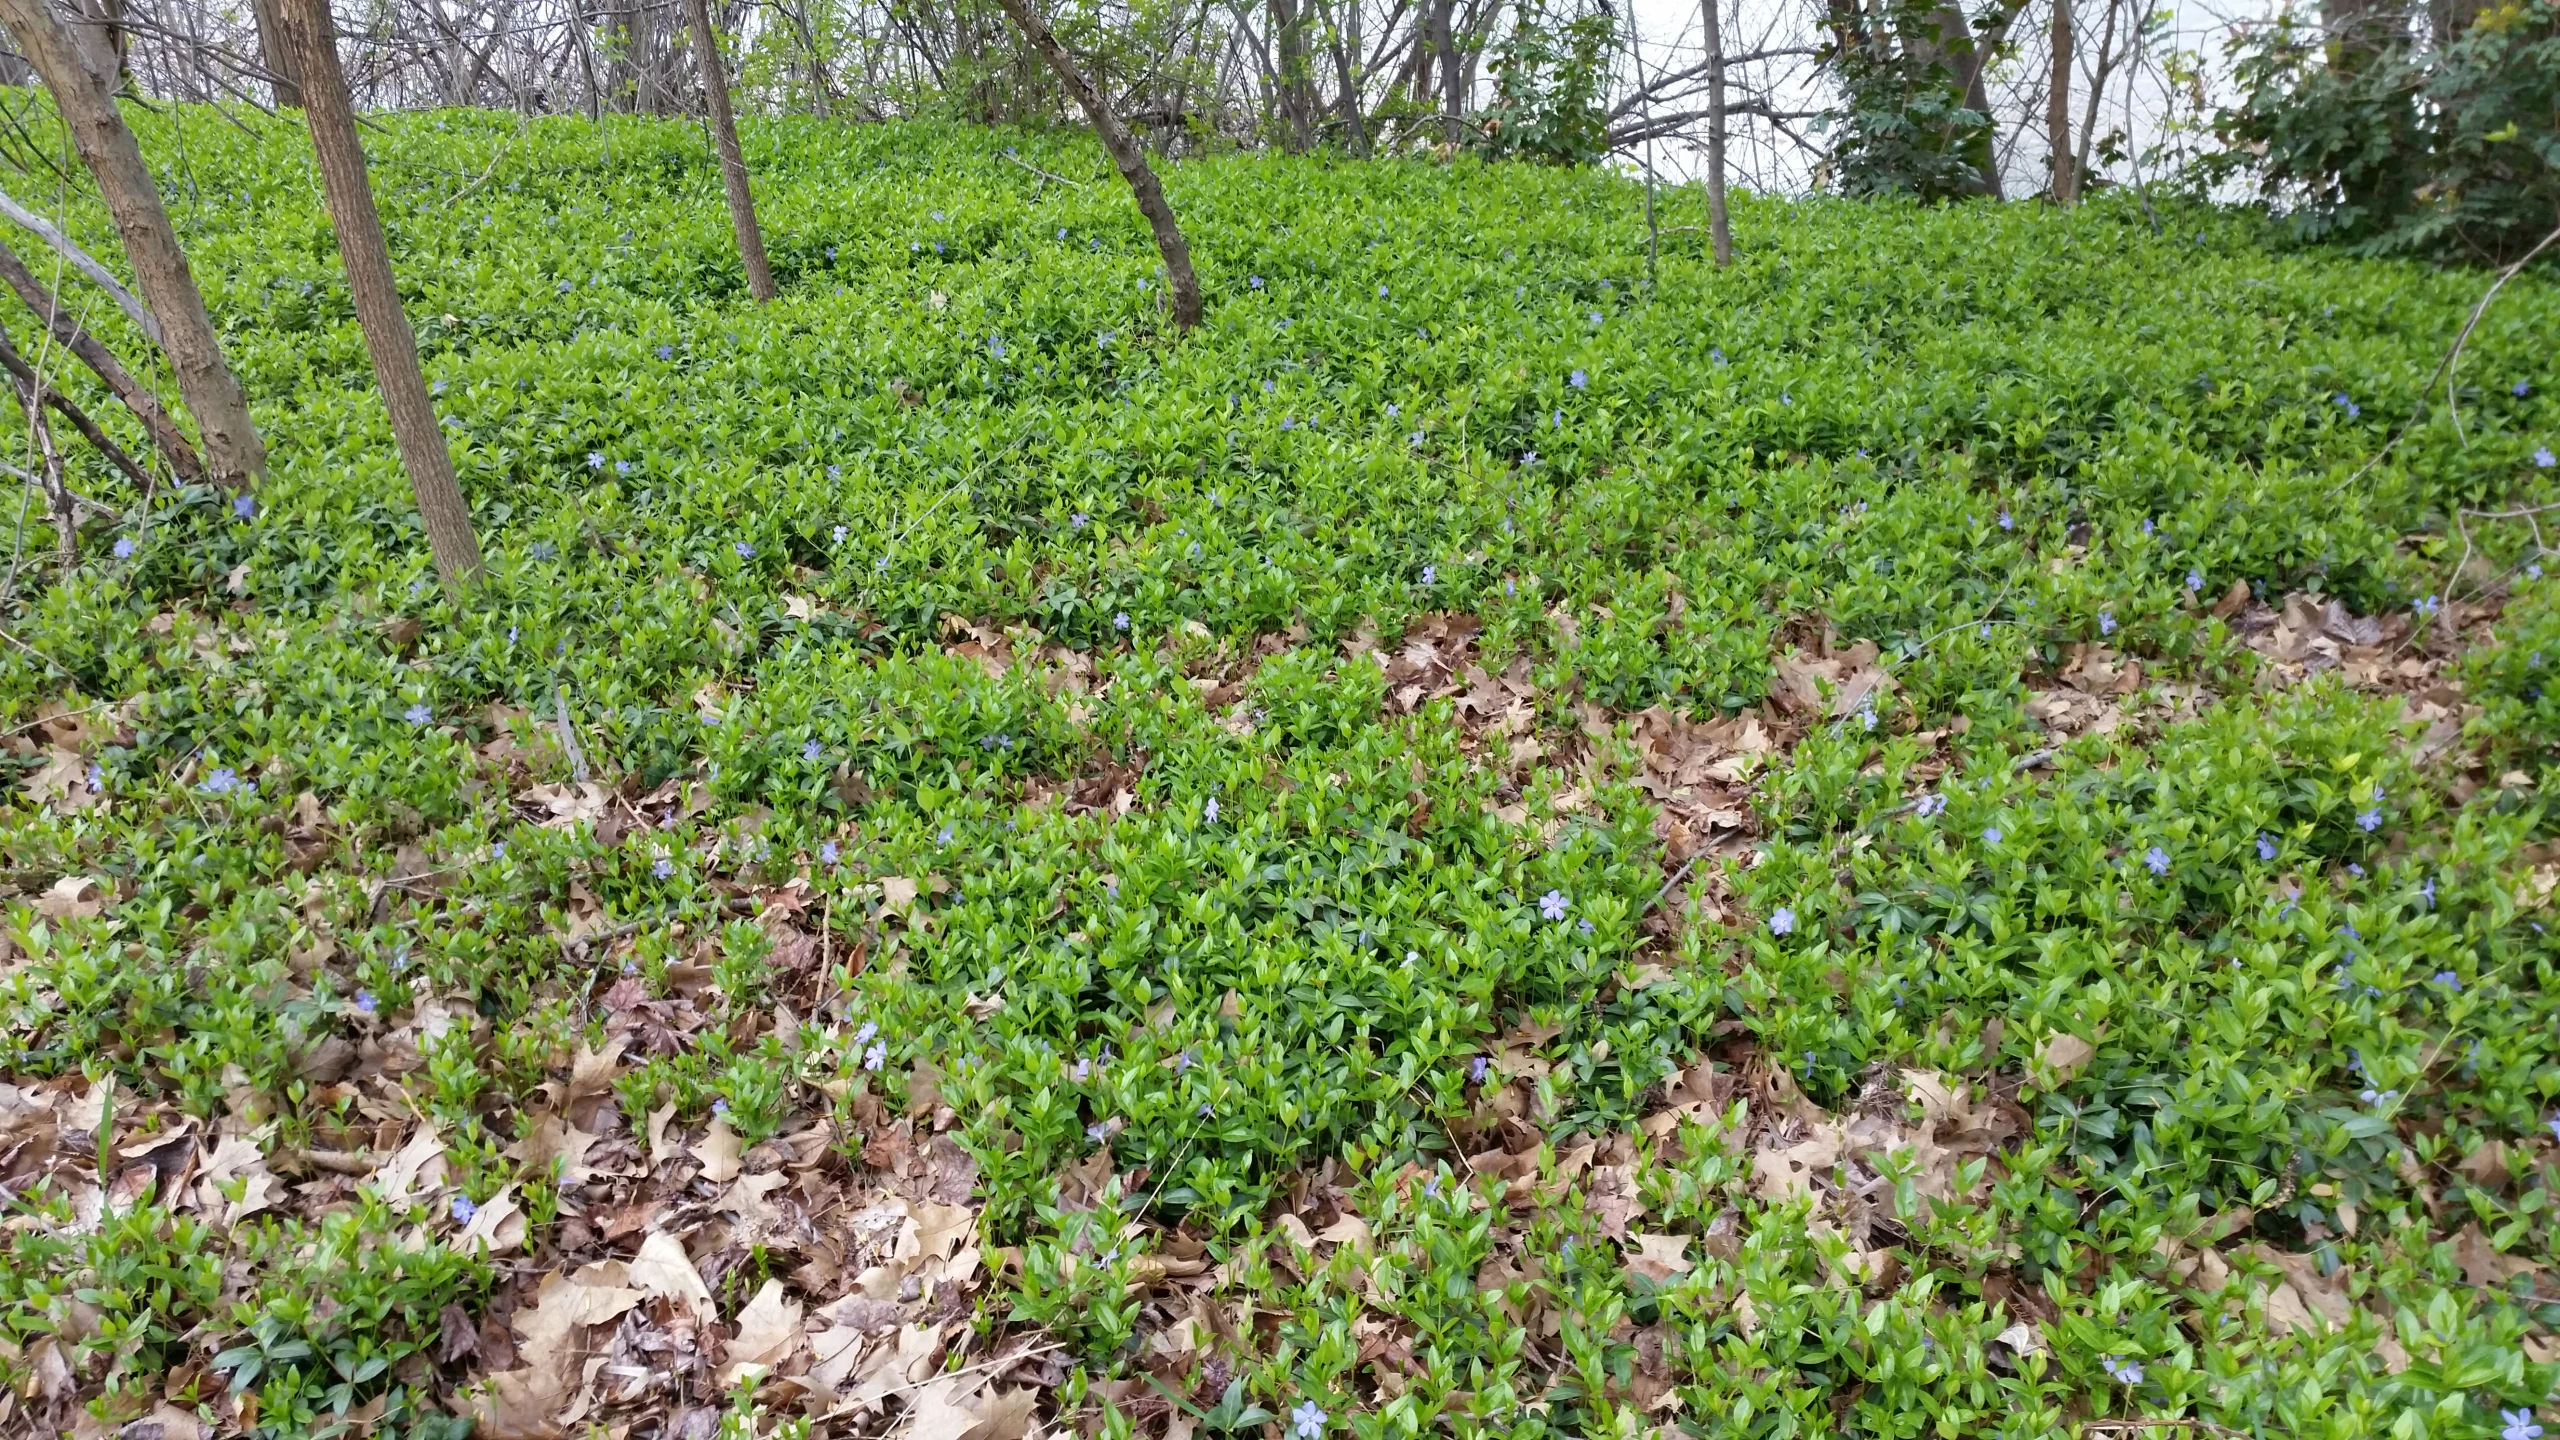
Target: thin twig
x=1043 y=174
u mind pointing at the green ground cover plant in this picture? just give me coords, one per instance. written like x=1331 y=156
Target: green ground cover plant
x=1906 y=839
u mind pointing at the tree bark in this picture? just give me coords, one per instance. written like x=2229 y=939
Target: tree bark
x=2057 y=110
x=57 y=493
x=1719 y=224
x=146 y=407
x=1124 y=153
x=733 y=161
x=282 y=77
x=80 y=67
x=387 y=337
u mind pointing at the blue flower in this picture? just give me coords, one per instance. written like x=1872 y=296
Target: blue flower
x=2521 y=389
x=544 y=550
x=1586 y=926
x=1716 y=354
x=1120 y=621
x=666 y=352
x=828 y=854
x=1209 y=812
x=2266 y=846
x=365 y=1001
x=2370 y=820
x=944 y=835
x=245 y=506
x=2195 y=580
x=2423 y=606
x=2542 y=458
x=1528 y=458
x=1255 y=281
x=1577 y=380
x=1991 y=836
x=2156 y=860
x=1477 y=1067
x=418 y=714
x=1430 y=574
x=1929 y=806
x=1595 y=317
x=875 y=1057
x=564 y=287
x=2007 y=523
x=745 y=550
x=2127 y=1372
x=2519 y=1425
x=869 y=1032
x=221 y=782
x=1306 y=1422
x=835 y=472
x=1414 y=439
x=937 y=217
x=881 y=564
x=664 y=869
x=1553 y=904
x=1382 y=292
x=621 y=467
x=2448 y=980
x=995 y=346
x=2106 y=622
x=2352 y=408
x=1783 y=922
x=1392 y=411
x=463 y=1209
x=124 y=547
x=840 y=533
x=811 y=751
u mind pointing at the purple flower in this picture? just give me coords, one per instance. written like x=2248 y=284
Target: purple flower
x=1414 y=439
x=1578 y=380
x=2127 y=1372
x=2156 y=860
x=1392 y=411
x=664 y=869
x=595 y=459
x=1306 y=1422
x=621 y=467
x=2266 y=846
x=418 y=714
x=875 y=1057
x=2353 y=410
x=2543 y=459
x=666 y=352
x=2423 y=606
x=97 y=779
x=1783 y=921
x=811 y=751
x=2370 y=820
x=1991 y=836
x=1477 y=1067
x=365 y=1001
x=124 y=547
x=2106 y=622
x=1553 y=904
x=1430 y=574
x=2007 y=523
x=1120 y=621
x=869 y=1032
x=245 y=506
x=2448 y=980
x=1253 y=280
x=1209 y=812
x=945 y=836
x=221 y=782
x=2519 y=1423
x=1930 y=806
x=1079 y=520
x=2521 y=389
x=1586 y=925
x=463 y=1209
x=1382 y=292
x=720 y=1108
x=2195 y=580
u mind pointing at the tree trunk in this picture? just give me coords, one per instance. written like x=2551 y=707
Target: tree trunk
x=1453 y=74
x=1719 y=225
x=1124 y=153
x=80 y=67
x=387 y=337
x=1346 y=62
x=2057 y=109
x=2097 y=92
x=733 y=162
x=146 y=407
x=282 y=77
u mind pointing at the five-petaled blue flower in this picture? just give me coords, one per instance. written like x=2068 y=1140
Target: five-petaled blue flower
x=463 y=1209
x=664 y=869
x=418 y=714
x=2195 y=580
x=828 y=854
x=1382 y=292
x=245 y=507
x=621 y=467
x=365 y=1001
x=1306 y=1422
x=2448 y=980
x=745 y=550
x=1553 y=904
x=2266 y=846
x=840 y=532
x=1991 y=836
x=2543 y=458
x=1477 y=1067
x=2156 y=860
x=1783 y=922
x=1929 y=805
x=1120 y=621
x=124 y=547
x=2521 y=389
x=2519 y=1426
x=1577 y=380
x=2124 y=1372
x=1430 y=574
x=595 y=459
x=811 y=751
x=1254 y=280
x=1209 y=812
x=2106 y=622
x=2351 y=407
x=666 y=352
x=2423 y=606
x=2370 y=820
x=2007 y=522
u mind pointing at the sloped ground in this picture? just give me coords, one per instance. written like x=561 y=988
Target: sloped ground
x=1891 y=842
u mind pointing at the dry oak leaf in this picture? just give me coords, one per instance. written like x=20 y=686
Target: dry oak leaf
x=73 y=897
x=1659 y=1257
x=718 y=1152
x=2482 y=1264
x=597 y=1294
x=497 y=1222
x=662 y=1268
x=415 y=1169
x=518 y=1405
x=768 y=1333
x=2062 y=1057
x=1786 y=1172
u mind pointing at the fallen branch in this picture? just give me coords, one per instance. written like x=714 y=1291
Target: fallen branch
x=105 y=279
x=25 y=375
x=102 y=362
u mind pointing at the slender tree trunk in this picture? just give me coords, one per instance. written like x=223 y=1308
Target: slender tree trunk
x=2097 y=91
x=387 y=337
x=80 y=67
x=1719 y=225
x=2057 y=109
x=1453 y=73
x=281 y=76
x=733 y=162
x=146 y=407
x=1124 y=153
x=62 y=404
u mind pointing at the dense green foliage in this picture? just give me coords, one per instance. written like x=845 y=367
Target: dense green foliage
x=2448 y=149
x=761 y=558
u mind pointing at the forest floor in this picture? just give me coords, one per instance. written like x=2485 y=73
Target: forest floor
x=1513 y=838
